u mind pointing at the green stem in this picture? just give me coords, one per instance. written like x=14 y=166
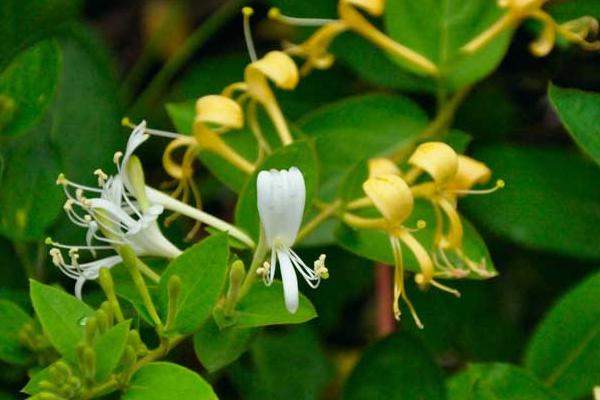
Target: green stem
x=187 y=50
x=314 y=223
x=143 y=63
x=133 y=264
x=161 y=351
x=259 y=255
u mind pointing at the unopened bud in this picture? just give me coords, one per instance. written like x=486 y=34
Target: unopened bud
x=91 y=326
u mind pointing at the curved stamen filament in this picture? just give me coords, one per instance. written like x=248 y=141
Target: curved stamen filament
x=399 y=290
x=500 y=184
x=275 y=14
x=247 y=12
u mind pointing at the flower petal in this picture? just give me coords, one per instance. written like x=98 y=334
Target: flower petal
x=290 y=282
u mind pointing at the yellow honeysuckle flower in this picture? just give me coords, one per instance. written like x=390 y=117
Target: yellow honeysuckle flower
x=315 y=49
x=215 y=115
x=453 y=175
x=575 y=31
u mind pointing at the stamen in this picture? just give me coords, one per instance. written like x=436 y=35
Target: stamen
x=102 y=177
x=275 y=14
x=126 y=122
x=61 y=180
x=117 y=157
x=500 y=184
x=319 y=267
x=421 y=224
x=247 y=12
x=445 y=288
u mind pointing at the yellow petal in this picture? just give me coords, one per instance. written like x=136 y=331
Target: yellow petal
x=278 y=67
x=436 y=158
x=391 y=196
x=453 y=239
x=470 y=172
x=373 y=7
x=382 y=166
x=219 y=110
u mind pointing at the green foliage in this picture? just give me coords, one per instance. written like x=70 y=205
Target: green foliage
x=202 y=269
x=565 y=349
x=109 y=348
x=24 y=22
x=541 y=185
x=11 y=348
x=397 y=367
x=438 y=29
x=283 y=365
x=62 y=317
x=163 y=380
x=497 y=381
x=579 y=112
x=217 y=348
x=46 y=138
x=343 y=133
x=265 y=306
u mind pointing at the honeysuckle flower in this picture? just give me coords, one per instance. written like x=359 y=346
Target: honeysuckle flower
x=280 y=200
x=117 y=213
x=575 y=31
x=452 y=176
x=314 y=49
x=209 y=115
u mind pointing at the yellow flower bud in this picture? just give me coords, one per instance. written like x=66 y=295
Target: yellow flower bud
x=382 y=166
x=391 y=196
x=438 y=159
x=219 y=110
x=469 y=173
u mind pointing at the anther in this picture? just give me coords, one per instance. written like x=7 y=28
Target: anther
x=102 y=177
x=117 y=157
x=61 y=180
x=126 y=122
x=68 y=206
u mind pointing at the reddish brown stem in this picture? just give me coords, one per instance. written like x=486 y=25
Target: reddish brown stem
x=384 y=298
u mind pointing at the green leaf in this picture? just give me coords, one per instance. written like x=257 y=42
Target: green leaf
x=437 y=29
x=358 y=128
x=163 y=380
x=13 y=319
x=282 y=365
x=24 y=22
x=550 y=202
x=202 y=269
x=33 y=385
x=568 y=10
x=264 y=305
x=59 y=140
x=109 y=348
x=374 y=65
x=565 y=349
x=61 y=316
x=23 y=100
x=496 y=381
x=397 y=367
x=300 y=154
x=579 y=111
x=217 y=348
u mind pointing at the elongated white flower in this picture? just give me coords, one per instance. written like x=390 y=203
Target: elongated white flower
x=116 y=213
x=281 y=196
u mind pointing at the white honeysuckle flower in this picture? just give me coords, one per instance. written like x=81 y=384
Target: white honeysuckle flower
x=280 y=199
x=114 y=215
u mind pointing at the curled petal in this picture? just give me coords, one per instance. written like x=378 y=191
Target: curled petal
x=276 y=66
x=373 y=7
x=382 y=166
x=436 y=158
x=219 y=110
x=470 y=172
x=391 y=196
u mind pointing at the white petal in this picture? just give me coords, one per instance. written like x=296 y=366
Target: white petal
x=290 y=282
x=264 y=196
x=79 y=286
x=295 y=198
